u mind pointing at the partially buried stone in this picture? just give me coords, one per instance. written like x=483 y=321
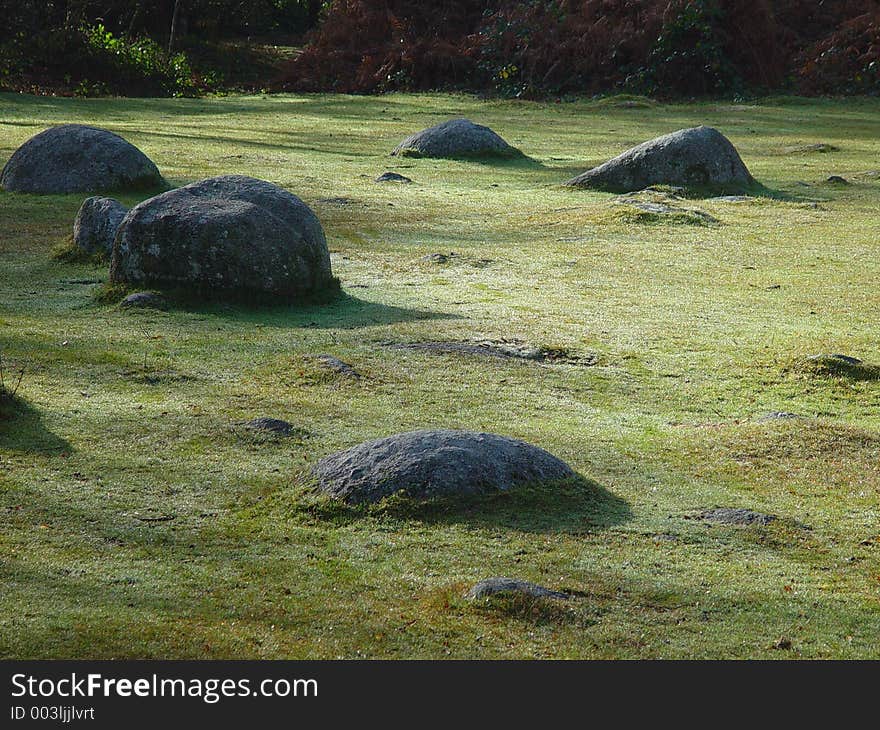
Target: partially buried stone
x=143 y=299
x=511 y=586
x=457 y=138
x=736 y=516
x=271 y=425
x=393 y=177
x=436 y=464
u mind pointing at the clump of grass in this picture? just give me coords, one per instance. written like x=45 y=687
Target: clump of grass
x=69 y=253
x=111 y=292
x=833 y=365
x=653 y=207
x=630 y=214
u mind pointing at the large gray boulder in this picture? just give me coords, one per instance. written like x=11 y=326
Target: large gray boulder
x=443 y=463
x=231 y=234
x=96 y=224
x=74 y=158
x=699 y=158
x=457 y=138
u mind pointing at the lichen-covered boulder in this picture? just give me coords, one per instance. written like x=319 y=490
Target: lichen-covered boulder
x=96 y=223
x=75 y=158
x=699 y=158
x=441 y=463
x=457 y=138
x=231 y=234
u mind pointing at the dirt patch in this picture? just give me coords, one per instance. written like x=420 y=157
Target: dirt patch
x=504 y=349
x=733 y=516
x=809 y=149
x=654 y=205
x=511 y=586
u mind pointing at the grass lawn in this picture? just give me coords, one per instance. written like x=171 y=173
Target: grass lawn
x=138 y=520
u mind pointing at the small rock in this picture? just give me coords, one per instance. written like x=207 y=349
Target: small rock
x=837 y=180
x=336 y=201
x=393 y=177
x=272 y=425
x=438 y=258
x=336 y=365
x=144 y=299
x=511 y=586
x=779 y=416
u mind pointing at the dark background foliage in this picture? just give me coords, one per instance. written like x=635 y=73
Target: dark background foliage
x=534 y=48
x=539 y=48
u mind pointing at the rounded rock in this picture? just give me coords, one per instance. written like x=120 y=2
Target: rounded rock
x=228 y=234
x=699 y=158
x=96 y=224
x=457 y=138
x=75 y=158
x=431 y=464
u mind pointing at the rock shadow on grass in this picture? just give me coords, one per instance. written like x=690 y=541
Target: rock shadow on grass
x=833 y=365
x=22 y=428
x=575 y=506
x=342 y=311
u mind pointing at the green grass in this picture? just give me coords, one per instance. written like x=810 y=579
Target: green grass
x=139 y=521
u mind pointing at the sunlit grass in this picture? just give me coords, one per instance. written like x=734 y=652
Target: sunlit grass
x=138 y=521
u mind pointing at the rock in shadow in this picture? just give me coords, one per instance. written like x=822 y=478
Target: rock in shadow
x=22 y=428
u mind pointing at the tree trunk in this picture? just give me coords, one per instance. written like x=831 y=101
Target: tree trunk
x=173 y=36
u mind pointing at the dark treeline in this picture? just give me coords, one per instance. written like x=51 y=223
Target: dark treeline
x=549 y=47
x=142 y=48
x=532 y=48
x=207 y=18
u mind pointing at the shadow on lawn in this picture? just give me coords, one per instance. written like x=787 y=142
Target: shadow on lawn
x=343 y=312
x=576 y=506
x=22 y=428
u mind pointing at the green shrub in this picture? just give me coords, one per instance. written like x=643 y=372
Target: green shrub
x=141 y=63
